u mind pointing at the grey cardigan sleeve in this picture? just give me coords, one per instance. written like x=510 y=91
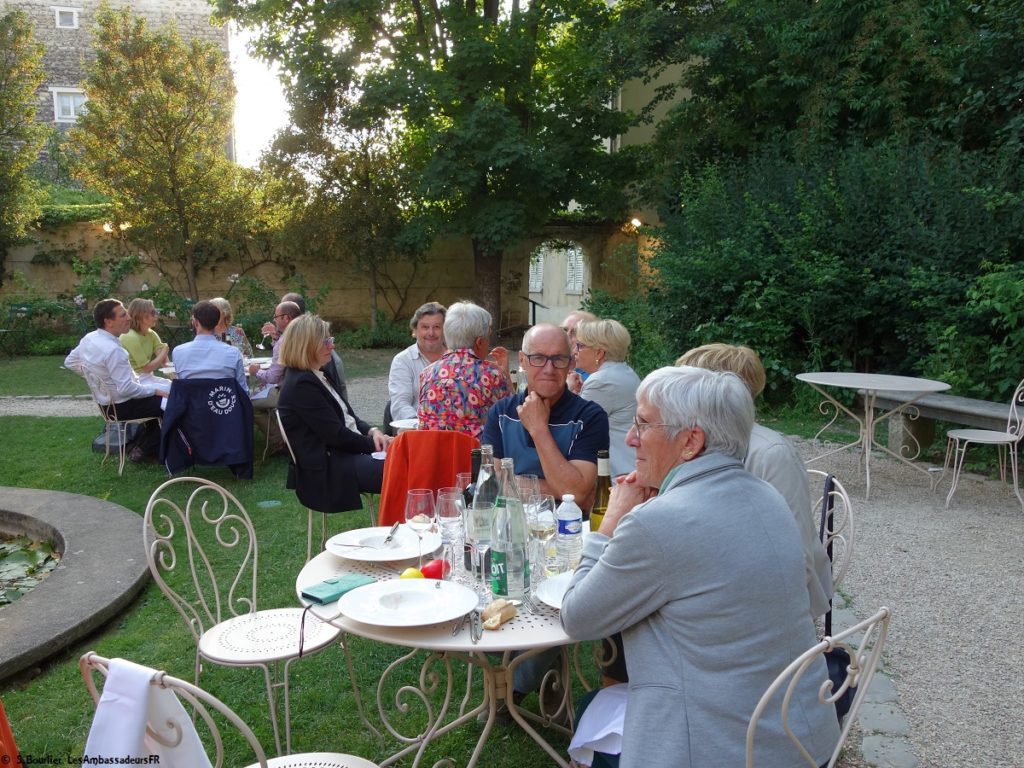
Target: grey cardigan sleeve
x=617 y=584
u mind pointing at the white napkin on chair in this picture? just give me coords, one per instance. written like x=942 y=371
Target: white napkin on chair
x=600 y=728
x=127 y=703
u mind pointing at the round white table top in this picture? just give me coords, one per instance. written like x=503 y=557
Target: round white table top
x=527 y=630
x=875 y=382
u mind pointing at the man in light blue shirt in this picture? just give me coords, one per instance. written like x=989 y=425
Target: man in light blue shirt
x=207 y=357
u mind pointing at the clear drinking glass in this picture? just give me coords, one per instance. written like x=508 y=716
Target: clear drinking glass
x=542 y=524
x=463 y=480
x=419 y=514
x=449 y=517
x=263 y=342
x=477 y=521
x=528 y=485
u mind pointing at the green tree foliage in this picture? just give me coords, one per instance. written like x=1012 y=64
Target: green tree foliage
x=504 y=106
x=20 y=136
x=154 y=140
x=843 y=187
x=356 y=207
x=861 y=261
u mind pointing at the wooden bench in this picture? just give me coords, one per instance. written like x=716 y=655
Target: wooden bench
x=982 y=414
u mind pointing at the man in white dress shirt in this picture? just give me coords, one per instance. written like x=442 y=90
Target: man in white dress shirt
x=427 y=326
x=207 y=357
x=101 y=355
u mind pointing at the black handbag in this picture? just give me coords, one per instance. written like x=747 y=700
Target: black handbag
x=837 y=659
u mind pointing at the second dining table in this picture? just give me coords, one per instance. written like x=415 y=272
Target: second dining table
x=495 y=656
x=906 y=389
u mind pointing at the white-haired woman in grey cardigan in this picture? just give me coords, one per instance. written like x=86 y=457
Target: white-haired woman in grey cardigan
x=699 y=564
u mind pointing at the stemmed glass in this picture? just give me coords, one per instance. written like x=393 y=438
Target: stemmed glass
x=478 y=533
x=528 y=486
x=542 y=524
x=263 y=342
x=463 y=480
x=419 y=514
x=449 y=517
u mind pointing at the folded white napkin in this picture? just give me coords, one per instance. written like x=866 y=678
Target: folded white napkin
x=127 y=703
x=600 y=728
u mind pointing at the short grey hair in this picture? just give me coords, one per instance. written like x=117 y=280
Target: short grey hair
x=716 y=401
x=464 y=323
x=430 y=308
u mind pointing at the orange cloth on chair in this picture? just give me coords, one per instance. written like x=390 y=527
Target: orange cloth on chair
x=421 y=459
x=8 y=749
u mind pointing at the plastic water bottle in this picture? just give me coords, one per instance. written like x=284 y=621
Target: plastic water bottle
x=510 y=568
x=569 y=539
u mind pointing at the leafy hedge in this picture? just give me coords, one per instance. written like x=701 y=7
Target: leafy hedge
x=894 y=258
x=56 y=215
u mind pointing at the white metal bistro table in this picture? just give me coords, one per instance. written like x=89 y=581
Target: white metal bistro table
x=908 y=388
x=495 y=655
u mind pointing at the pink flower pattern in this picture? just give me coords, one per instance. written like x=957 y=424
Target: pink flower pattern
x=457 y=391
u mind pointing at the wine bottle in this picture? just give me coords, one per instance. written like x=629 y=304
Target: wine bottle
x=604 y=489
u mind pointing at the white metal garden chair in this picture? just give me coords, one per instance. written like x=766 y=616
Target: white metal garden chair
x=111 y=421
x=210 y=713
x=864 y=642
x=959 y=440
x=201 y=527
x=839 y=530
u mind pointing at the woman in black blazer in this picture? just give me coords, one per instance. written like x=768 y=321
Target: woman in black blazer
x=332 y=445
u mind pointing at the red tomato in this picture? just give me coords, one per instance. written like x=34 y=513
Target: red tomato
x=436 y=569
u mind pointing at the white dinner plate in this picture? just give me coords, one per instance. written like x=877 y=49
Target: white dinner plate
x=407 y=602
x=258 y=360
x=367 y=544
x=405 y=423
x=552 y=590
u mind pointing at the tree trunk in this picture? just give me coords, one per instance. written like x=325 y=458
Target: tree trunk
x=373 y=297
x=487 y=293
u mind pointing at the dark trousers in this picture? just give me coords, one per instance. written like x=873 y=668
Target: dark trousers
x=147 y=439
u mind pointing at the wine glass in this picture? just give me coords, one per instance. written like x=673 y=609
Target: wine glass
x=419 y=514
x=542 y=524
x=263 y=342
x=528 y=486
x=478 y=533
x=463 y=480
x=449 y=517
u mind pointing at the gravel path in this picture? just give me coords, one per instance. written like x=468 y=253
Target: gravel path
x=953 y=578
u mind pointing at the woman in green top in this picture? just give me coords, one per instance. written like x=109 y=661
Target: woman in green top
x=145 y=350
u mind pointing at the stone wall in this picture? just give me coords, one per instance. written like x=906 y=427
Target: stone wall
x=447 y=275
x=68 y=50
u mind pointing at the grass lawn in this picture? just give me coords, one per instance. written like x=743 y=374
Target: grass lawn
x=49 y=707
x=44 y=375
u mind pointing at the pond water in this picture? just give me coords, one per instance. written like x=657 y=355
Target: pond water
x=23 y=564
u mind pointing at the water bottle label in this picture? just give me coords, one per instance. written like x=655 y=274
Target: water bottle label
x=499 y=574
x=570 y=527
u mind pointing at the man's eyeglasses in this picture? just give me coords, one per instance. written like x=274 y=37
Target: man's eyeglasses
x=328 y=342
x=560 y=362
x=277 y=316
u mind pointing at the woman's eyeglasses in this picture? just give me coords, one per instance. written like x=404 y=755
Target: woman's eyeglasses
x=328 y=342
x=642 y=426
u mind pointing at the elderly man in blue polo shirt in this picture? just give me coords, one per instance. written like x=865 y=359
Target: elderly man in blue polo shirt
x=550 y=432
x=207 y=357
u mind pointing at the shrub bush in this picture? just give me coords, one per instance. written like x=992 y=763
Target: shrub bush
x=862 y=260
